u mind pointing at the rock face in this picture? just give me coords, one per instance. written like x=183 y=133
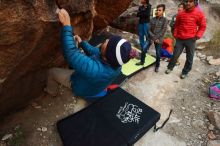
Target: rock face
x=29 y=42
x=108 y=10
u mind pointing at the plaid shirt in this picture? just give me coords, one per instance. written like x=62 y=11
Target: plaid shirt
x=157 y=28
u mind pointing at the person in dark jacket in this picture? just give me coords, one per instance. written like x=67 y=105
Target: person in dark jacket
x=157 y=29
x=181 y=7
x=190 y=26
x=94 y=69
x=173 y=20
x=144 y=12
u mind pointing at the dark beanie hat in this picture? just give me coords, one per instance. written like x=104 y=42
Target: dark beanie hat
x=118 y=51
x=196 y=2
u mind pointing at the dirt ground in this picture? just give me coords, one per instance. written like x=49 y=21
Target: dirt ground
x=36 y=124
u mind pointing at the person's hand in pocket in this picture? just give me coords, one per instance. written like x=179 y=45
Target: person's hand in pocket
x=196 y=38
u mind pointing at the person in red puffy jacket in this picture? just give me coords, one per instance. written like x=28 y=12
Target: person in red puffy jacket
x=189 y=27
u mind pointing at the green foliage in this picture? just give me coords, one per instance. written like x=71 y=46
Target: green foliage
x=215 y=40
x=215 y=9
x=213 y=47
x=18 y=138
x=168 y=35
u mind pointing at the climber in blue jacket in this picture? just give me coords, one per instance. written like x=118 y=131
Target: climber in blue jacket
x=92 y=70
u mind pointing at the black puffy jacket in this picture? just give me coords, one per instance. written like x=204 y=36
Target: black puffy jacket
x=144 y=13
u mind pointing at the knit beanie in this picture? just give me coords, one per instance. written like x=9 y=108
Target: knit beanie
x=195 y=1
x=118 y=51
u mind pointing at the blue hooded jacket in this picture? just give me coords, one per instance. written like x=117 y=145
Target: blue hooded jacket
x=92 y=75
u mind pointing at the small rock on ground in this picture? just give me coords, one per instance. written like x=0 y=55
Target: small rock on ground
x=6 y=137
x=213 y=143
x=214 y=61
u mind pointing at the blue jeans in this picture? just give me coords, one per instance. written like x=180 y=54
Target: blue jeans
x=144 y=40
x=158 y=48
x=144 y=51
x=143 y=34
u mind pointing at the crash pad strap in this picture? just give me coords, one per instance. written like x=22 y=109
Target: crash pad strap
x=164 y=123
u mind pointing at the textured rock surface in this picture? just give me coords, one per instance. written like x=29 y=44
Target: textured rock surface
x=108 y=10
x=29 y=42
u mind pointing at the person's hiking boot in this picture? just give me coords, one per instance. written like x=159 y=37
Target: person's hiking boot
x=183 y=76
x=168 y=71
x=177 y=63
x=166 y=59
x=184 y=50
x=156 y=69
x=139 y=63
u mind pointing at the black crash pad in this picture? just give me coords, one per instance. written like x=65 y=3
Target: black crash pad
x=119 y=119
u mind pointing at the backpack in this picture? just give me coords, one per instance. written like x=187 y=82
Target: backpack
x=214 y=91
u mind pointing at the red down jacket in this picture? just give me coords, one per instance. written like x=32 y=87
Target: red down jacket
x=190 y=24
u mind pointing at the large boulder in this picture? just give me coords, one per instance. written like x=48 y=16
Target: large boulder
x=29 y=42
x=108 y=10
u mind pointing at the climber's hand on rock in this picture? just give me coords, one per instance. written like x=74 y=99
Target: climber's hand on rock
x=57 y=11
x=64 y=17
x=78 y=39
